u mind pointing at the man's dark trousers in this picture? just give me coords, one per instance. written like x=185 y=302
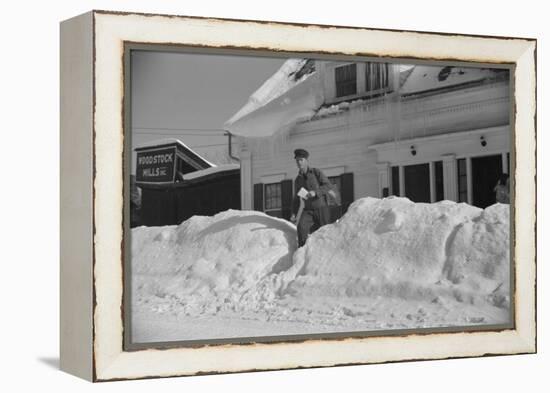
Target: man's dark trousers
x=310 y=221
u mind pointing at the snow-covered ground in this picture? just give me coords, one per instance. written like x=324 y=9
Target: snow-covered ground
x=386 y=264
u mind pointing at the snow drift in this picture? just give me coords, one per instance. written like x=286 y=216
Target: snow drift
x=397 y=248
x=386 y=260
x=209 y=261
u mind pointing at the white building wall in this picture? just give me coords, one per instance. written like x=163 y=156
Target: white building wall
x=344 y=139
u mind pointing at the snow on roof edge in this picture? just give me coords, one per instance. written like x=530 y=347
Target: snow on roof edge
x=210 y=171
x=268 y=91
x=408 y=84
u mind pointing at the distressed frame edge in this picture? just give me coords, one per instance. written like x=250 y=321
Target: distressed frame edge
x=302 y=24
x=76 y=207
x=525 y=338
x=525 y=203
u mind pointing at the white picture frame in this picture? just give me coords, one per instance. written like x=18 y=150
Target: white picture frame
x=92 y=196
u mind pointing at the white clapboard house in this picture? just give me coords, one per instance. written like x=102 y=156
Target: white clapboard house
x=376 y=129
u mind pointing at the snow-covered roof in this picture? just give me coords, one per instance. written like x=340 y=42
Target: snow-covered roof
x=171 y=141
x=291 y=73
x=292 y=94
x=424 y=78
x=295 y=93
x=209 y=171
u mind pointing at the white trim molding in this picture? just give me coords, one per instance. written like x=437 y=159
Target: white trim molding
x=275 y=178
x=432 y=148
x=246 y=180
x=384 y=177
x=450 y=181
x=334 y=171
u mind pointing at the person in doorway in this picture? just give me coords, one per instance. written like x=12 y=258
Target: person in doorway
x=317 y=188
x=502 y=189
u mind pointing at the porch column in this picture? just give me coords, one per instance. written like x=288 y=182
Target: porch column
x=246 y=180
x=383 y=177
x=401 y=181
x=450 y=182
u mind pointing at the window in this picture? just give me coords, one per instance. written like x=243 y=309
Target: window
x=376 y=76
x=273 y=199
x=337 y=187
x=485 y=173
x=346 y=80
x=462 y=180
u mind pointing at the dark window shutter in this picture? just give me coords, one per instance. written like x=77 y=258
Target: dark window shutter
x=439 y=181
x=347 y=191
x=259 y=197
x=286 y=198
x=395 y=180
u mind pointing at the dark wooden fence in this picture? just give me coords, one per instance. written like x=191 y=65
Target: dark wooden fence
x=173 y=203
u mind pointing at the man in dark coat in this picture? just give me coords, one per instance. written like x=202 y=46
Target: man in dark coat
x=316 y=211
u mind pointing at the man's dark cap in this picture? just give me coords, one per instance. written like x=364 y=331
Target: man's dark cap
x=301 y=153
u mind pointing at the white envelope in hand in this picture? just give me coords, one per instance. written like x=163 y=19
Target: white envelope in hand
x=303 y=193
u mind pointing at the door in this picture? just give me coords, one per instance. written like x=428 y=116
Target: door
x=485 y=174
x=417 y=182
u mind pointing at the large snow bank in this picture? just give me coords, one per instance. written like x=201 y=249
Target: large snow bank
x=207 y=262
x=386 y=263
x=397 y=248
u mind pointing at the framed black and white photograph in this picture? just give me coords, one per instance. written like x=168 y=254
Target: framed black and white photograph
x=408 y=226
x=303 y=196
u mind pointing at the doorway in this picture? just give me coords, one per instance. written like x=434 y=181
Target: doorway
x=485 y=174
x=417 y=182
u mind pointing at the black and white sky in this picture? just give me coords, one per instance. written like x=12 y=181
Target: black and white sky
x=189 y=96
